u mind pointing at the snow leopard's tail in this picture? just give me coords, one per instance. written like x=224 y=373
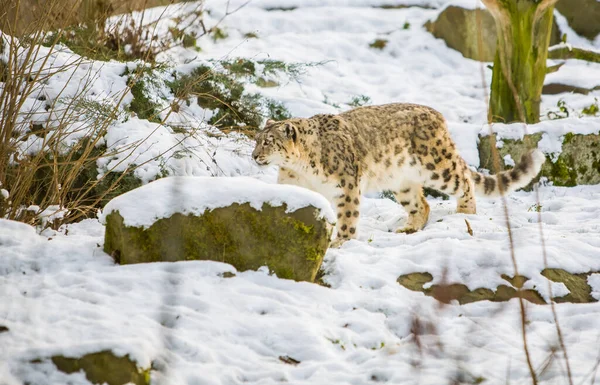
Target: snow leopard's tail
x=520 y=176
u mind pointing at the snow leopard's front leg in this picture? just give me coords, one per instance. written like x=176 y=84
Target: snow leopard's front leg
x=348 y=211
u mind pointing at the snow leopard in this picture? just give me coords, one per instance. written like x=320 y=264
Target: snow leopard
x=397 y=147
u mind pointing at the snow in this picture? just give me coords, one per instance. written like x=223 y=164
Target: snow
x=162 y=198
x=67 y=297
x=61 y=294
x=508 y=160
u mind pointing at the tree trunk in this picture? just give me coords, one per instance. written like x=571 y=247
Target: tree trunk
x=523 y=28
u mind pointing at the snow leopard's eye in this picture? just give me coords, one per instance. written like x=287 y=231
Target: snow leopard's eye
x=267 y=141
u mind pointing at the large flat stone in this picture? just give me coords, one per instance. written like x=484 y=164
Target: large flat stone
x=240 y=221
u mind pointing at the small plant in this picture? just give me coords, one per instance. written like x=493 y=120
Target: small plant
x=219 y=34
x=563 y=111
x=592 y=109
x=535 y=208
x=379 y=44
x=359 y=101
x=406 y=25
x=148 y=91
x=222 y=92
x=187 y=40
x=330 y=102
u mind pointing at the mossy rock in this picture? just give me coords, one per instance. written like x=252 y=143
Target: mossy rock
x=291 y=244
x=580 y=291
x=582 y=15
x=459 y=28
x=578 y=163
x=104 y=368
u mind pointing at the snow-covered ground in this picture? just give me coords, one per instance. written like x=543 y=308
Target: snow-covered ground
x=61 y=294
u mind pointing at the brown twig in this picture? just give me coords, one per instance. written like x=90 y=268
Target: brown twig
x=559 y=333
x=469 y=229
x=494 y=8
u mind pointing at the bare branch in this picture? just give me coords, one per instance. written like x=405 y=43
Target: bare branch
x=563 y=52
x=554 y=68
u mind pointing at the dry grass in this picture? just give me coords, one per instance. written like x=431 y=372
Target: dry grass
x=40 y=166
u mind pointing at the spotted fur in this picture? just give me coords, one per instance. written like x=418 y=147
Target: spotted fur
x=397 y=147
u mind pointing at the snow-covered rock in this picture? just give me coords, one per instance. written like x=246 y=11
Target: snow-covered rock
x=241 y=221
x=571 y=147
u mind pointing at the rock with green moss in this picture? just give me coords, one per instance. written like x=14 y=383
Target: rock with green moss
x=578 y=162
x=104 y=368
x=240 y=221
x=460 y=28
x=580 y=290
x=446 y=292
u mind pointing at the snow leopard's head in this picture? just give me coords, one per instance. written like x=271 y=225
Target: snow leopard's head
x=276 y=144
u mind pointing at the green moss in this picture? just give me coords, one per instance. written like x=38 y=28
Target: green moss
x=104 y=367
x=578 y=163
x=568 y=137
x=299 y=226
x=596 y=166
x=563 y=173
x=292 y=245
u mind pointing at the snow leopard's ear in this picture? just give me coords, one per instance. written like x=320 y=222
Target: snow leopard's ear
x=270 y=121
x=290 y=132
